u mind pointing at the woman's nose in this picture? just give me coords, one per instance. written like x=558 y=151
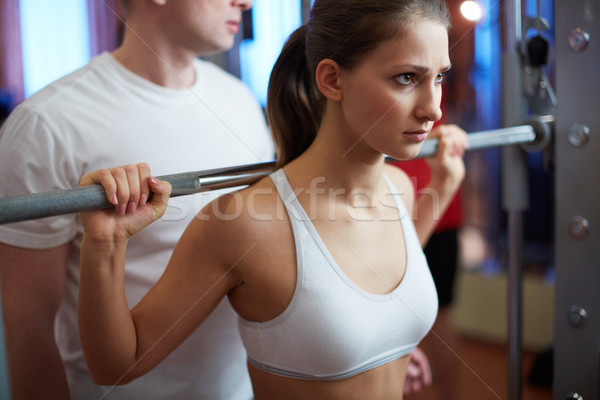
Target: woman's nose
x=429 y=103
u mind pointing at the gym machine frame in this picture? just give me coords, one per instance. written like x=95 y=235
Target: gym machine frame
x=577 y=284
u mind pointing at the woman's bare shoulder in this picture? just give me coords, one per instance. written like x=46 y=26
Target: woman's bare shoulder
x=244 y=212
x=402 y=183
x=399 y=178
x=231 y=224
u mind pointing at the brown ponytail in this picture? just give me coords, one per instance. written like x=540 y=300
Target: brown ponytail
x=294 y=105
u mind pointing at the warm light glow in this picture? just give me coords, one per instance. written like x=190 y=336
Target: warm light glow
x=471 y=10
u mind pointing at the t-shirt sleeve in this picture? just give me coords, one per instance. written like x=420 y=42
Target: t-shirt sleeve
x=33 y=159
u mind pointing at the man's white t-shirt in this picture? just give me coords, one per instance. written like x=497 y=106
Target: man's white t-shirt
x=103 y=115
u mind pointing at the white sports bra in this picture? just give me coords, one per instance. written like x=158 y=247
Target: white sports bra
x=332 y=329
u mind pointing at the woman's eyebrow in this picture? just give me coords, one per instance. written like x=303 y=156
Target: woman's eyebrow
x=412 y=67
x=420 y=68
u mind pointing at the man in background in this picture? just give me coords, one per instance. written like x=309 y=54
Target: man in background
x=151 y=100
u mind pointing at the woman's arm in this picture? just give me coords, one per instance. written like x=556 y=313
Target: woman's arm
x=120 y=344
x=105 y=323
x=447 y=173
x=107 y=330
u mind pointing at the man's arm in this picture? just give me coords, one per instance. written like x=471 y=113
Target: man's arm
x=32 y=283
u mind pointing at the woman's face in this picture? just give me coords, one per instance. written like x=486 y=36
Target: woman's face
x=391 y=99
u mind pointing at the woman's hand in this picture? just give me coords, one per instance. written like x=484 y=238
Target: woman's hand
x=447 y=166
x=418 y=374
x=128 y=188
x=447 y=173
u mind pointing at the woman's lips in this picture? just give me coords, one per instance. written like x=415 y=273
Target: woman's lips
x=418 y=136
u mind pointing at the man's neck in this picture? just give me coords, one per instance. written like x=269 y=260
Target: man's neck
x=156 y=62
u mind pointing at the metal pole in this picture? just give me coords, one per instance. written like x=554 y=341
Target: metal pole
x=515 y=301
x=68 y=201
x=41 y=205
x=523 y=134
x=514 y=186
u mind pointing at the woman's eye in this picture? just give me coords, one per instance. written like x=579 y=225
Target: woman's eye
x=440 y=77
x=405 y=79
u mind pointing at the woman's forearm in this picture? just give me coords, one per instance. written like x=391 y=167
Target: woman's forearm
x=106 y=327
x=431 y=204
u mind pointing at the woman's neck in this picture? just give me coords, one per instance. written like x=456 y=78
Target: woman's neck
x=343 y=164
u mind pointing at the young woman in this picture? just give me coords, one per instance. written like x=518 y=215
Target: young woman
x=321 y=260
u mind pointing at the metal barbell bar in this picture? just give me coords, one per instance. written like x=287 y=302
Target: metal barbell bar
x=68 y=201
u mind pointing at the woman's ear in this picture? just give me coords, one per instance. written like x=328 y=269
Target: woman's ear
x=328 y=77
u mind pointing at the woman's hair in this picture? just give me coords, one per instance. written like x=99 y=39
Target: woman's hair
x=343 y=31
